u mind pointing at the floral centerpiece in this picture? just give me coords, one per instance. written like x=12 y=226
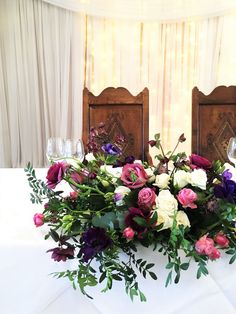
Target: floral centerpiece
x=116 y=204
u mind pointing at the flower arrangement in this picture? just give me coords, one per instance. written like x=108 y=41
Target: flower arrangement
x=116 y=204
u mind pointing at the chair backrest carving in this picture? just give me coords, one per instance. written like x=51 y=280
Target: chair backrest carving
x=123 y=114
x=213 y=121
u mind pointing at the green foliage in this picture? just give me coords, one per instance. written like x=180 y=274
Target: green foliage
x=39 y=188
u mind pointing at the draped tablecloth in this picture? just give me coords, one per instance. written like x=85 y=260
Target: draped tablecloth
x=27 y=287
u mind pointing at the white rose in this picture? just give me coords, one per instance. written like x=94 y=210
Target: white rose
x=182 y=219
x=166 y=202
x=164 y=219
x=181 y=178
x=162 y=180
x=115 y=172
x=150 y=174
x=198 y=178
x=90 y=157
x=232 y=170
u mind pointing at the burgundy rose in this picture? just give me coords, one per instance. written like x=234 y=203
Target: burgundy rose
x=55 y=174
x=130 y=222
x=134 y=175
x=146 y=198
x=197 y=161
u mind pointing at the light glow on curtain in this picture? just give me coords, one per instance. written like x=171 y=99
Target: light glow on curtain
x=48 y=54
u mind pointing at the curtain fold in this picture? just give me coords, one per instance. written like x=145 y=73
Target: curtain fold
x=42 y=78
x=48 y=54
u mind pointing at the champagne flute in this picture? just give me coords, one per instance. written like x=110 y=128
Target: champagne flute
x=55 y=149
x=231 y=150
x=78 y=151
x=73 y=151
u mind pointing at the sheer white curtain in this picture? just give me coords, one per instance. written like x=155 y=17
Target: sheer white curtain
x=41 y=77
x=47 y=55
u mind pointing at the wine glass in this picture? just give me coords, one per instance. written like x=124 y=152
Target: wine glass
x=73 y=151
x=231 y=150
x=55 y=148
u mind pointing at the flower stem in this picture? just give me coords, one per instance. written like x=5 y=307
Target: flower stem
x=83 y=187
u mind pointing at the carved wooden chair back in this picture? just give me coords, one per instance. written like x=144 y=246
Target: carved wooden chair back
x=213 y=121
x=123 y=114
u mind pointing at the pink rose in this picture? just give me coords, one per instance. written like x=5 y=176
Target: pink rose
x=222 y=240
x=197 y=161
x=146 y=198
x=38 y=220
x=134 y=176
x=128 y=233
x=214 y=254
x=55 y=174
x=74 y=195
x=205 y=246
x=187 y=197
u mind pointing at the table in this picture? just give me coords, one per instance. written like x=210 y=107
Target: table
x=27 y=288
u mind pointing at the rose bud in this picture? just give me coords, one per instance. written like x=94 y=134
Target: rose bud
x=38 y=220
x=128 y=233
x=182 y=138
x=73 y=195
x=222 y=240
x=152 y=143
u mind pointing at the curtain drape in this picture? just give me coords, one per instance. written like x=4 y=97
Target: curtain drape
x=47 y=55
x=41 y=77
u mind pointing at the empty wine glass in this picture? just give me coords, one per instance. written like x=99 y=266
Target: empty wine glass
x=55 y=148
x=73 y=151
x=78 y=151
x=231 y=150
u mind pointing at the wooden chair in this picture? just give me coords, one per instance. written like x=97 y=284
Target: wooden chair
x=123 y=114
x=213 y=121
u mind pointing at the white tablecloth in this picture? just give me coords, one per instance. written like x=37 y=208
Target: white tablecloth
x=27 y=288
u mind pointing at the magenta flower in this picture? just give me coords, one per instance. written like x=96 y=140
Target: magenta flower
x=55 y=174
x=38 y=220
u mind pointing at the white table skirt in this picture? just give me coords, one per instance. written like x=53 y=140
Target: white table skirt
x=27 y=288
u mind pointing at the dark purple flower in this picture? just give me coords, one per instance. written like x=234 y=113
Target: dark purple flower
x=55 y=174
x=226 y=190
x=129 y=160
x=60 y=254
x=94 y=240
x=111 y=149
